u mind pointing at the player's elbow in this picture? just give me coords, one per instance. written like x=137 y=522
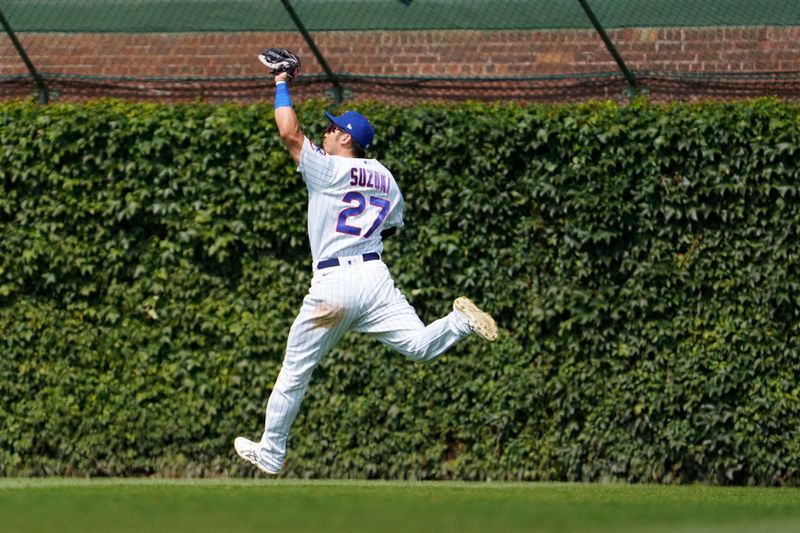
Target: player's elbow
x=291 y=138
x=293 y=142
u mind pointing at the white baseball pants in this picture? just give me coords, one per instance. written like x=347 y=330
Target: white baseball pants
x=357 y=295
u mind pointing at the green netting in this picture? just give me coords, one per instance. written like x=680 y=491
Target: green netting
x=694 y=13
x=329 y=15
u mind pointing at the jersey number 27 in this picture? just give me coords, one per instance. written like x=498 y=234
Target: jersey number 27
x=357 y=209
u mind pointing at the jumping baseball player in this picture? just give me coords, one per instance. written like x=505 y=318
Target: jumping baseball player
x=353 y=203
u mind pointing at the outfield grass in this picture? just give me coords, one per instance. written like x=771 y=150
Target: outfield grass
x=117 y=505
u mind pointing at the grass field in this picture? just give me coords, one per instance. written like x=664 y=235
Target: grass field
x=117 y=505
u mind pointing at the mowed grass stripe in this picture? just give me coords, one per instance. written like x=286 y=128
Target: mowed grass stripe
x=135 y=505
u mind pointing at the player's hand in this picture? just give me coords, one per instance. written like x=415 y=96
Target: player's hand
x=282 y=76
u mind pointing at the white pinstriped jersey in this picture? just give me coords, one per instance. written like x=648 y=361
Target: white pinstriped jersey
x=350 y=201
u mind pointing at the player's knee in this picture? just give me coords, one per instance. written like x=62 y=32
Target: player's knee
x=292 y=379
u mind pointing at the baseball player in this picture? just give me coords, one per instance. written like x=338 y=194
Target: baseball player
x=354 y=203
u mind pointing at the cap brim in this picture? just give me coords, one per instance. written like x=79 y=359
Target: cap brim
x=343 y=127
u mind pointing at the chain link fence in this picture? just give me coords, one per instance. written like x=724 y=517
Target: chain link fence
x=401 y=51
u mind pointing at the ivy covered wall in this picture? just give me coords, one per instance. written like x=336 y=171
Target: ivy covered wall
x=641 y=262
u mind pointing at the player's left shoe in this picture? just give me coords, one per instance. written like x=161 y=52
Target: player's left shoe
x=479 y=320
x=251 y=452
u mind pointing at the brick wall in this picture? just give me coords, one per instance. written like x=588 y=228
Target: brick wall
x=486 y=56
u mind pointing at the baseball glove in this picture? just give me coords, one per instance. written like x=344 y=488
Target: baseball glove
x=279 y=60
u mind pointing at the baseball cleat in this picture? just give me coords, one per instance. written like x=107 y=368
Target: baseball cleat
x=251 y=452
x=479 y=321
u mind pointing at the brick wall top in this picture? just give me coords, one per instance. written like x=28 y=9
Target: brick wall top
x=452 y=54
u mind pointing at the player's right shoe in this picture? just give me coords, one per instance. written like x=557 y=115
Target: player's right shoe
x=251 y=452
x=479 y=320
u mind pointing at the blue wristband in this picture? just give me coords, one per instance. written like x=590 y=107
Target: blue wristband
x=282 y=98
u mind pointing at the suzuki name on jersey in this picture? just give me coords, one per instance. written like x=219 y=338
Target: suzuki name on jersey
x=366 y=177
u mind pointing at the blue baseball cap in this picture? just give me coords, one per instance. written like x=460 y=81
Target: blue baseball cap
x=356 y=125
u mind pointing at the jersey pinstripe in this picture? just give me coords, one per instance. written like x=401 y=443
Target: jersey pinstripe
x=350 y=201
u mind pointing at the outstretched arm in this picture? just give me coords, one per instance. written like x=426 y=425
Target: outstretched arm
x=286 y=119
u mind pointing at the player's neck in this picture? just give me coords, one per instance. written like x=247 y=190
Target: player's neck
x=342 y=151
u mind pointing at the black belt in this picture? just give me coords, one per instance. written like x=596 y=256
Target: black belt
x=334 y=262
